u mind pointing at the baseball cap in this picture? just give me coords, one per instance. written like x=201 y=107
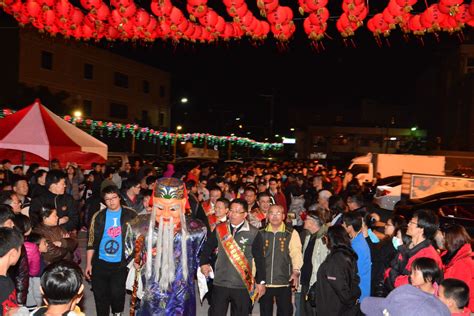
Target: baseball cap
x=405 y=300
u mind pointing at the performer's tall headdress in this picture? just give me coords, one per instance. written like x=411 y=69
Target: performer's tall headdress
x=164 y=267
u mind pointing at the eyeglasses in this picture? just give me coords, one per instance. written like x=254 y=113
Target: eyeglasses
x=275 y=214
x=412 y=223
x=111 y=199
x=237 y=212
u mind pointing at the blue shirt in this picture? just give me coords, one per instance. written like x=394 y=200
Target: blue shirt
x=364 y=264
x=110 y=248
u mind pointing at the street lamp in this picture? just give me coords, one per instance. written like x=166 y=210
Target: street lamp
x=179 y=128
x=414 y=128
x=277 y=135
x=77 y=114
x=240 y=126
x=292 y=129
x=184 y=100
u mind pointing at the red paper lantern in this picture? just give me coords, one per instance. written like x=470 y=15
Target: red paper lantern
x=141 y=18
x=463 y=15
x=161 y=8
x=91 y=4
x=102 y=12
x=49 y=18
x=129 y=11
x=33 y=8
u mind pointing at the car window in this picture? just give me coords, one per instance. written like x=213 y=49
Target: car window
x=460 y=210
x=359 y=168
x=390 y=181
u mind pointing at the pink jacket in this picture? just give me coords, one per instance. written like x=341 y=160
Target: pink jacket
x=34 y=258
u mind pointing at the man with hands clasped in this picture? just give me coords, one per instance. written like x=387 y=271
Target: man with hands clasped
x=283 y=261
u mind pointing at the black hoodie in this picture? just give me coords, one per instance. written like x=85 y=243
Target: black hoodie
x=64 y=205
x=337 y=284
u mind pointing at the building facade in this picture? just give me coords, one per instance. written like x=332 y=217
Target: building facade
x=100 y=84
x=446 y=94
x=342 y=141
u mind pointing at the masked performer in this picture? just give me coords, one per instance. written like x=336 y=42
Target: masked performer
x=169 y=256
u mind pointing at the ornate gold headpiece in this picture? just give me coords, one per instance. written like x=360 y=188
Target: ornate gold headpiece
x=169 y=188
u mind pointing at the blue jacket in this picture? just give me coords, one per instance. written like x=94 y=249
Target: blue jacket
x=364 y=264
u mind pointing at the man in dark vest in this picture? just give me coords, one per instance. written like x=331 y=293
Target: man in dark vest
x=283 y=261
x=239 y=245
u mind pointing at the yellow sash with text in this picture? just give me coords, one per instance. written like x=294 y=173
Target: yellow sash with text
x=237 y=258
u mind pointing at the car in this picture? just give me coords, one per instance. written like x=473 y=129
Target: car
x=388 y=192
x=440 y=195
x=463 y=172
x=119 y=159
x=457 y=209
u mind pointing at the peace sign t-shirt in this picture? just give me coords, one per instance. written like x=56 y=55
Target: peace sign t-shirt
x=110 y=248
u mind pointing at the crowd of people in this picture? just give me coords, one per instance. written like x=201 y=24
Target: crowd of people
x=294 y=236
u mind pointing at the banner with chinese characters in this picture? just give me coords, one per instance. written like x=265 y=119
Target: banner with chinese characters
x=424 y=185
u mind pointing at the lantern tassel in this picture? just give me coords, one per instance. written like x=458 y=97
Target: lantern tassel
x=353 y=43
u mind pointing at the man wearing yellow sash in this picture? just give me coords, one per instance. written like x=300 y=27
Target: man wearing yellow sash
x=205 y=212
x=240 y=245
x=215 y=193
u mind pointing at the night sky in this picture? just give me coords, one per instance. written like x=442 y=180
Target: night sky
x=229 y=77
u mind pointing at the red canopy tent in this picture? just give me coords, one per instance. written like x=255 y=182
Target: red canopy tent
x=37 y=135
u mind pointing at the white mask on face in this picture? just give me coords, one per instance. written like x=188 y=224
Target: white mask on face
x=396 y=242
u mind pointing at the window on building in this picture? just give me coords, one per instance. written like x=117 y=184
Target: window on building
x=120 y=80
x=470 y=65
x=88 y=71
x=145 y=118
x=162 y=91
x=118 y=110
x=87 y=107
x=161 y=119
x=359 y=168
x=470 y=62
x=46 y=60
x=146 y=86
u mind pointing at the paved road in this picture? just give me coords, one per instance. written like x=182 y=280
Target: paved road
x=88 y=305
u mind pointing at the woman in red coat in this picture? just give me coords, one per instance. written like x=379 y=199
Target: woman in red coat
x=458 y=258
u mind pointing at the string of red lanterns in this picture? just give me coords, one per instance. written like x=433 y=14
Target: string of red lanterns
x=124 y=20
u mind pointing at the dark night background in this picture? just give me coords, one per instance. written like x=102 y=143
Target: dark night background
x=224 y=80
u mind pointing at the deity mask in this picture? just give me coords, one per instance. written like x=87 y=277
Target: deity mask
x=169 y=201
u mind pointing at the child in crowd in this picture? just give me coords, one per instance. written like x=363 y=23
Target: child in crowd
x=35 y=246
x=61 y=285
x=10 y=250
x=61 y=245
x=426 y=275
x=455 y=294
